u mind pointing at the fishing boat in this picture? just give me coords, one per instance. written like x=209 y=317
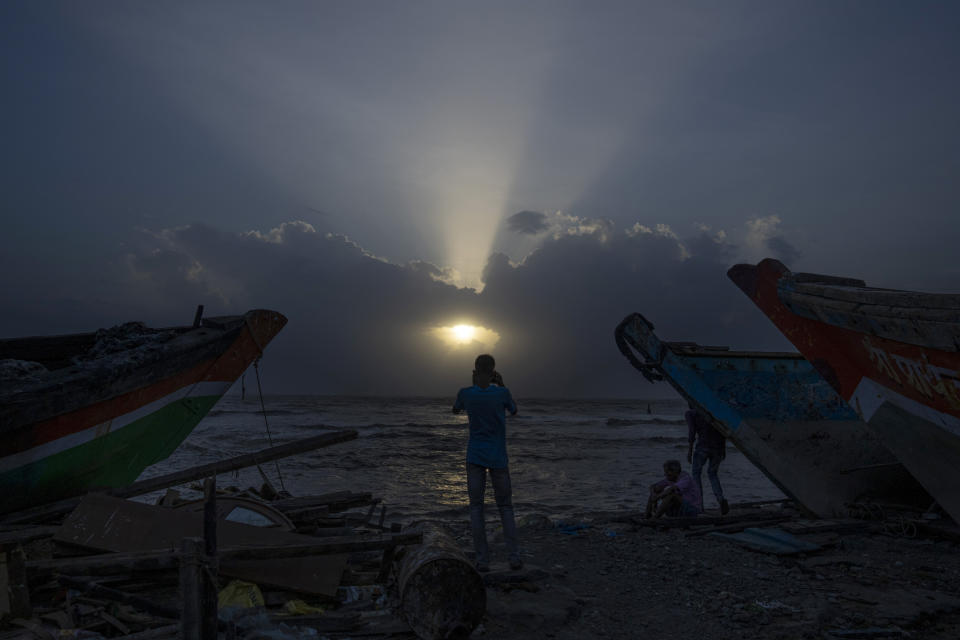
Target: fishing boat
x=893 y=355
x=93 y=410
x=782 y=415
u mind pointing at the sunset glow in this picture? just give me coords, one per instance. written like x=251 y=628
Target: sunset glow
x=462 y=335
x=463 y=332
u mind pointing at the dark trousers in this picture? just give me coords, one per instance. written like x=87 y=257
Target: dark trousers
x=476 y=487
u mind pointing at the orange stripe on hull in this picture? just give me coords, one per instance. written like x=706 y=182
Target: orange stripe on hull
x=226 y=367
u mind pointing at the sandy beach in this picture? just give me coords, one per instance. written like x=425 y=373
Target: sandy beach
x=605 y=577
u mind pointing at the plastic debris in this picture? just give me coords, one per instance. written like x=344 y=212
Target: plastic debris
x=301 y=608
x=242 y=594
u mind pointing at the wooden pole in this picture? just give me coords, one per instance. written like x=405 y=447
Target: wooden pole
x=210 y=585
x=20 y=606
x=191 y=581
x=189 y=475
x=238 y=462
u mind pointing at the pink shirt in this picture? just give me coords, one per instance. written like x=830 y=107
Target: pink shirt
x=689 y=490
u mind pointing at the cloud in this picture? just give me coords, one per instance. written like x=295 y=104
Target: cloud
x=528 y=222
x=765 y=239
x=360 y=324
x=448 y=275
x=782 y=250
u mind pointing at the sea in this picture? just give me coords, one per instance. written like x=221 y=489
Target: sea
x=567 y=456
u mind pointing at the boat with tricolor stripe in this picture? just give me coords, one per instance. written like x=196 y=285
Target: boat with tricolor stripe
x=93 y=410
x=893 y=355
x=783 y=416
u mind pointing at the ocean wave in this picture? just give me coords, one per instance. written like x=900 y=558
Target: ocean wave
x=627 y=422
x=256 y=411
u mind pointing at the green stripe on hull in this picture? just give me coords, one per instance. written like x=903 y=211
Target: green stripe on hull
x=112 y=460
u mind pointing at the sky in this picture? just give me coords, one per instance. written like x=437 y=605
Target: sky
x=382 y=171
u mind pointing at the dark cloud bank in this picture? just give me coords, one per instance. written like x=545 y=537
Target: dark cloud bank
x=359 y=324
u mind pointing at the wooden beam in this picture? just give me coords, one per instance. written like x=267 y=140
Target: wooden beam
x=329 y=546
x=165 y=632
x=22 y=535
x=189 y=475
x=238 y=462
x=105 y=563
x=109 y=563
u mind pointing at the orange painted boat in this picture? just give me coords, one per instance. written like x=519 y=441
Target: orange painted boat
x=94 y=410
x=894 y=356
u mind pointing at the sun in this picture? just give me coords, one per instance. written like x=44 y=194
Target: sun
x=463 y=332
x=463 y=335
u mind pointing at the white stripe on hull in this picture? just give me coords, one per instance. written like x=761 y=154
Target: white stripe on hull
x=870 y=395
x=199 y=389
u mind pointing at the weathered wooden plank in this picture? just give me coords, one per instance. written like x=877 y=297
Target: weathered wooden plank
x=876 y=295
x=302 y=502
x=323 y=546
x=25 y=534
x=105 y=563
x=95 y=589
x=166 y=632
x=113 y=563
x=239 y=462
x=311 y=515
x=334 y=502
x=106 y=523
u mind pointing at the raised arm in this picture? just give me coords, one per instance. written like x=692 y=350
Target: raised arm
x=458 y=403
x=509 y=404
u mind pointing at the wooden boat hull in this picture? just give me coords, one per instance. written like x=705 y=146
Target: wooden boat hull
x=892 y=355
x=101 y=427
x=782 y=415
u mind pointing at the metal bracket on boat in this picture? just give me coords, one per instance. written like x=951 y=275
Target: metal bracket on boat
x=628 y=346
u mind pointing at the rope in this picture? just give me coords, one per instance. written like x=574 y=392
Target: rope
x=256 y=368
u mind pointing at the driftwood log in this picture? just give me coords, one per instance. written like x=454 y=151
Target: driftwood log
x=441 y=594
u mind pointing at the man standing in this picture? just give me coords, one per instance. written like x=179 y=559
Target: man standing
x=485 y=404
x=711 y=448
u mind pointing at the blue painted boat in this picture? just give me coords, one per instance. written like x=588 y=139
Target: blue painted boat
x=782 y=415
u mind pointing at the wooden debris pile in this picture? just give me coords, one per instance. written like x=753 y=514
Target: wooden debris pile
x=232 y=564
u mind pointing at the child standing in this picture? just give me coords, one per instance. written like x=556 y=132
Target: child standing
x=486 y=403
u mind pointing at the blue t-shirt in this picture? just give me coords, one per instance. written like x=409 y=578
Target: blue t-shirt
x=488 y=425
